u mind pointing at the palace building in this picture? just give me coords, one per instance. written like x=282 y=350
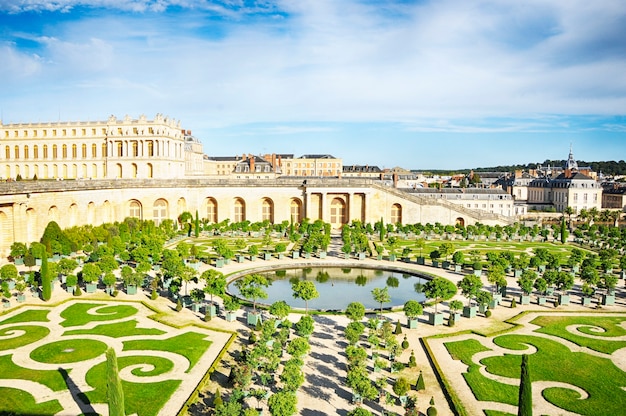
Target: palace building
x=78 y=173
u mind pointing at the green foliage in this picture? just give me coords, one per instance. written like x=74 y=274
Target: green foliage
x=179 y=305
x=355 y=311
x=217 y=399
x=353 y=332
x=525 y=398
x=251 y=287
x=283 y=403
x=46 y=280
x=413 y=309
x=412 y=362
x=402 y=386
x=439 y=289
x=280 y=309
x=381 y=295
x=305 y=290
x=398 y=329
x=115 y=394
x=420 y=383
x=305 y=326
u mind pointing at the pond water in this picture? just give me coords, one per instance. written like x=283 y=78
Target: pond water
x=338 y=287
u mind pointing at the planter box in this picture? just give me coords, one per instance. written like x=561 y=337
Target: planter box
x=322 y=255
x=541 y=268
x=576 y=268
x=435 y=319
x=252 y=258
x=517 y=273
x=608 y=300
x=412 y=323
x=70 y=289
x=253 y=318
x=563 y=299
x=195 y=307
x=195 y=265
x=211 y=310
x=91 y=287
x=37 y=262
x=483 y=308
x=586 y=301
x=267 y=256
x=307 y=255
x=435 y=263
x=456 y=317
x=524 y=300
x=280 y=256
x=493 y=303
x=478 y=273
x=379 y=257
x=392 y=257
x=21 y=298
x=231 y=316
x=458 y=268
x=11 y=284
x=541 y=300
x=6 y=304
x=420 y=260
x=240 y=258
x=360 y=256
x=295 y=254
x=406 y=259
x=131 y=290
x=19 y=261
x=550 y=291
x=469 y=311
x=219 y=263
x=498 y=298
x=445 y=265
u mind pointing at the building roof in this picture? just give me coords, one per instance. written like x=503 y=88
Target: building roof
x=317 y=157
x=361 y=168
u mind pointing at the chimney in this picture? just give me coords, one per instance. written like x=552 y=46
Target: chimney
x=252 y=164
x=395 y=179
x=188 y=132
x=518 y=173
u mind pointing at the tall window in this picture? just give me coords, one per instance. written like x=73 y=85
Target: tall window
x=26 y=155
x=267 y=211
x=134 y=209
x=396 y=214
x=211 y=210
x=240 y=210
x=7 y=152
x=74 y=151
x=54 y=151
x=64 y=151
x=94 y=150
x=45 y=151
x=159 y=212
x=84 y=151
x=337 y=211
x=119 y=149
x=17 y=152
x=35 y=152
x=295 y=210
x=135 y=149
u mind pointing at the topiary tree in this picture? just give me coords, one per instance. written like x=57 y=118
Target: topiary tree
x=402 y=386
x=115 y=394
x=305 y=290
x=214 y=283
x=525 y=398
x=305 y=326
x=470 y=285
x=381 y=296
x=353 y=332
x=439 y=289
x=46 y=281
x=420 y=383
x=251 y=287
x=355 y=311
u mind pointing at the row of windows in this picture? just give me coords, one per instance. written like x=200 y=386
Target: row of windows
x=72 y=171
x=74 y=151
x=120 y=131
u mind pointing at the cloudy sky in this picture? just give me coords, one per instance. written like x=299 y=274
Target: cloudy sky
x=426 y=84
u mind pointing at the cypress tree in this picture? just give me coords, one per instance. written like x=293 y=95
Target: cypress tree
x=525 y=401
x=420 y=383
x=115 y=394
x=196 y=230
x=46 y=282
x=564 y=233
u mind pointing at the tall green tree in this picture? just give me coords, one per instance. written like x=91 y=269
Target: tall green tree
x=46 y=281
x=252 y=287
x=196 y=228
x=525 y=400
x=381 y=296
x=115 y=394
x=439 y=289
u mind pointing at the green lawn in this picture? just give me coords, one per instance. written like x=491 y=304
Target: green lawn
x=605 y=327
x=117 y=330
x=143 y=399
x=13 y=399
x=79 y=314
x=82 y=321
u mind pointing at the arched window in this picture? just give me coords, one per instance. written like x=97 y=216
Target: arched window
x=119 y=170
x=396 y=214
x=74 y=151
x=45 y=151
x=337 y=212
x=295 y=210
x=150 y=170
x=35 y=152
x=64 y=151
x=84 y=151
x=17 y=152
x=54 y=151
x=134 y=209
x=133 y=171
x=240 y=210
x=211 y=210
x=26 y=155
x=7 y=152
x=267 y=212
x=159 y=213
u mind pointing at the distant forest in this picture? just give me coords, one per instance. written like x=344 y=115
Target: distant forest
x=610 y=168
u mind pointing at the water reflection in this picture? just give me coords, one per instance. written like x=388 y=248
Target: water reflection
x=338 y=287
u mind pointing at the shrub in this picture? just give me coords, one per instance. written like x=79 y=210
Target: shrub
x=513 y=303
x=405 y=343
x=488 y=313
x=77 y=291
x=432 y=411
x=412 y=362
x=154 y=295
x=401 y=386
x=179 y=305
x=398 y=330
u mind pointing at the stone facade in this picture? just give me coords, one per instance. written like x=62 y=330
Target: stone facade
x=27 y=207
x=126 y=148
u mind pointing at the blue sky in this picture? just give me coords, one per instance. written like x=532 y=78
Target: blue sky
x=441 y=84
